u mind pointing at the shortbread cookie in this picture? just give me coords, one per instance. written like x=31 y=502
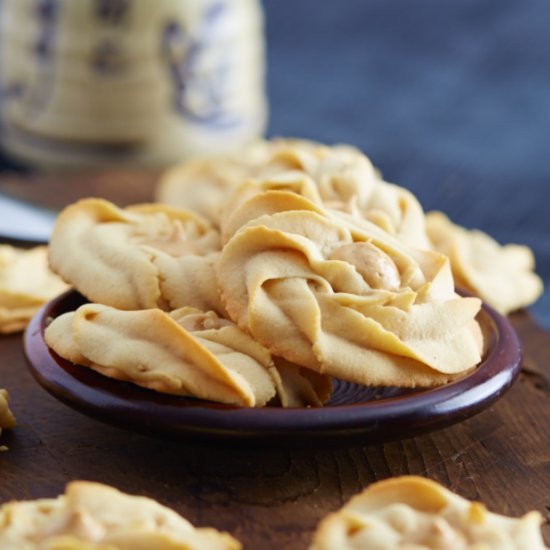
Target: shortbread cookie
x=145 y=256
x=26 y=284
x=7 y=420
x=413 y=513
x=344 y=179
x=204 y=184
x=300 y=387
x=152 y=349
x=295 y=386
x=503 y=276
x=187 y=352
x=348 y=300
x=293 y=185
x=91 y=516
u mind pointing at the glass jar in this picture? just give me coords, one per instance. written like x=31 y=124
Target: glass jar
x=129 y=82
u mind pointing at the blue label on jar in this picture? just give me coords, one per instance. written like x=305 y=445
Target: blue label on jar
x=36 y=98
x=108 y=58
x=42 y=51
x=200 y=95
x=112 y=12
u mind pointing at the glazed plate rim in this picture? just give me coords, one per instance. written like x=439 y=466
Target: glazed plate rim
x=388 y=418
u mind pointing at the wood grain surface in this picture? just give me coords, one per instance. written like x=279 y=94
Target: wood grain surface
x=268 y=499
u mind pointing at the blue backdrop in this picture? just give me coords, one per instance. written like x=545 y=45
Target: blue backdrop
x=449 y=99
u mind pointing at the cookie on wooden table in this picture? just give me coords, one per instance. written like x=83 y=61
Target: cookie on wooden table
x=26 y=284
x=414 y=513
x=91 y=516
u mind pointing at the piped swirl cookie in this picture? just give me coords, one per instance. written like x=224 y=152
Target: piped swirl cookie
x=324 y=266
x=92 y=516
x=342 y=178
x=413 y=513
x=26 y=284
x=502 y=275
x=186 y=352
x=347 y=181
x=145 y=256
x=203 y=184
x=347 y=299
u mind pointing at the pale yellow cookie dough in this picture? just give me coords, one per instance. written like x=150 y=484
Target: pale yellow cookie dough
x=302 y=251
x=144 y=256
x=345 y=298
x=26 y=284
x=341 y=176
x=347 y=181
x=92 y=516
x=413 y=513
x=152 y=349
x=503 y=276
x=187 y=352
x=204 y=184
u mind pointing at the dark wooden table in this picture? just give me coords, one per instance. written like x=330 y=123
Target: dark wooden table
x=266 y=498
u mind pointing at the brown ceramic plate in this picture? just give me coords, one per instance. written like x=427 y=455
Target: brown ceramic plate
x=354 y=415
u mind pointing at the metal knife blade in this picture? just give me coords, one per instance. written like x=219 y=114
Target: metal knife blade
x=22 y=221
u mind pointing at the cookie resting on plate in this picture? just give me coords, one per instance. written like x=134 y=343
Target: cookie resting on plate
x=343 y=297
x=339 y=176
x=144 y=256
x=186 y=352
x=342 y=178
